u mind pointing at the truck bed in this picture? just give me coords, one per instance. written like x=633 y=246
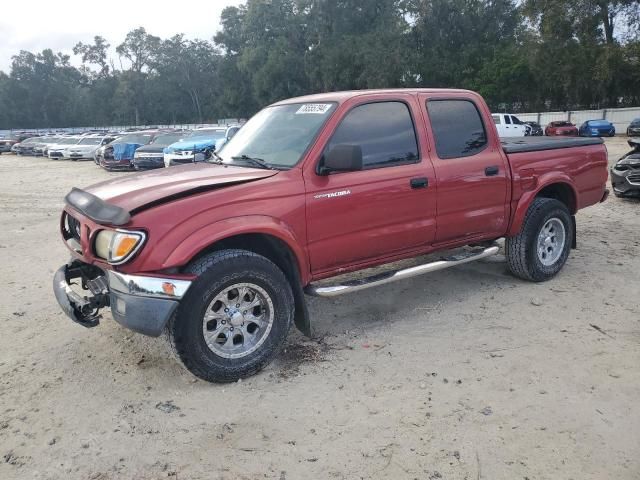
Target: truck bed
x=536 y=144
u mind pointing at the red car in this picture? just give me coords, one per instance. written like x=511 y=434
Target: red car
x=561 y=128
x=220 y=254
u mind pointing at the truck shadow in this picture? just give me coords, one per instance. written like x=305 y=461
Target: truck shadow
x=417 y=297
x=335 y=321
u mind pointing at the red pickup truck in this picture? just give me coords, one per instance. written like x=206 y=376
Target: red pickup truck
x=219 y=255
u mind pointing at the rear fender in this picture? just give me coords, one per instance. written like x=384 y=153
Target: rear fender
x=528 y=196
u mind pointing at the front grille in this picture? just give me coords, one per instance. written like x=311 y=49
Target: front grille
x=634 y=178
x=71 y=228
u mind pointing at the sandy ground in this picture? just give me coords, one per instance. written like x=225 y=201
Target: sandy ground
x=464 y=374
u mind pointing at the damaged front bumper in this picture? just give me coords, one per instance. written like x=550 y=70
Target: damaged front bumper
x=625 y=183
x=143 y=304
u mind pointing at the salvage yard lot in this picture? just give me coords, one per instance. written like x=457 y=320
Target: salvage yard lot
x=466 y=373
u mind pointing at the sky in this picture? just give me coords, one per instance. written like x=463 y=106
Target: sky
x=59 y=25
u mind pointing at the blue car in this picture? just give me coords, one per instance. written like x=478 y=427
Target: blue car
x=597 y=128
x=198 y=146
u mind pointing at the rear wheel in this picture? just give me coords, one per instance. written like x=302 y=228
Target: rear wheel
x=235 y=317
x=542 y=247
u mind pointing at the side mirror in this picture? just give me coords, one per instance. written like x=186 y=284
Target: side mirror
x=342 y=158
x=231 y=134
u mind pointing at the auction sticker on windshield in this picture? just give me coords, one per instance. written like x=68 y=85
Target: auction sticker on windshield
x=320 y=108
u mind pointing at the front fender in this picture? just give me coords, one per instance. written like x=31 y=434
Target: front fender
x=537 y=185
x=210 y=234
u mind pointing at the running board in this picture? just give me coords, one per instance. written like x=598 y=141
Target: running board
x=394 y=275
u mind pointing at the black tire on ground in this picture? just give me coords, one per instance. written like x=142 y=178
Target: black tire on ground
x=217 y=271
x=521 y=250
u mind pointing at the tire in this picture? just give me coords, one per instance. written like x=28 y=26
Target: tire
x=213 y=359
x=524 y=258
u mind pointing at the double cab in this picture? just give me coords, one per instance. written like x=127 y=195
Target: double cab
x=220 y=254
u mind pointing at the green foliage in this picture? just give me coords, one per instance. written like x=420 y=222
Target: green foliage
x=519 y=54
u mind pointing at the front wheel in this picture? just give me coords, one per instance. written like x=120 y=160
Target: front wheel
x=542 y=247
x=235 y=317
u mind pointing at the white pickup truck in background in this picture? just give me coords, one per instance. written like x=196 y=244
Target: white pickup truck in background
x=509 y=125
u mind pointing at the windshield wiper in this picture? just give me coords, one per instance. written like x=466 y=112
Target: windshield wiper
x=255 y=161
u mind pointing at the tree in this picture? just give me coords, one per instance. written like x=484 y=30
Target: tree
x=138 y=48
x=190 y=67
x=95 y=54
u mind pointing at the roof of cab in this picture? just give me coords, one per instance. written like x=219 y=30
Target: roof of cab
x=341 y=97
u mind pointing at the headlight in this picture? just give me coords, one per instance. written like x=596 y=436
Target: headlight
x=628 y=162
x=118 y=246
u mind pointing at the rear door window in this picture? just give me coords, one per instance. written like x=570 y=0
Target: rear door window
x=457 y=128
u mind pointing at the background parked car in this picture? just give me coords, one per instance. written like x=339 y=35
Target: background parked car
x=26 y=147
x=118 y=154
x=55 y=151
x=597 y=128
x=40 y=149
x=5 y=145
x=100 y=151
x=633 y=130
x=535 y=129
x=509 y=125
x=561 y=128
x=152 y=155
x=625 y=174
x=86 y=148
x=9 y=141
x=198 y=146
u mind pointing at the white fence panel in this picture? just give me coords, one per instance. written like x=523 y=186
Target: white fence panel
x=578 y=118
x=622 y=117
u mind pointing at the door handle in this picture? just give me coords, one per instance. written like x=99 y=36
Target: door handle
x=421 y=182
x=491 y=171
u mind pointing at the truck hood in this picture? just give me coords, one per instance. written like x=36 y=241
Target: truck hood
x=140 y=190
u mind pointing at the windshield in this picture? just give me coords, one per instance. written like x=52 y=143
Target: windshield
x=279 y=135
x=166 y=140
x=598 y=123
x=90 y=141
